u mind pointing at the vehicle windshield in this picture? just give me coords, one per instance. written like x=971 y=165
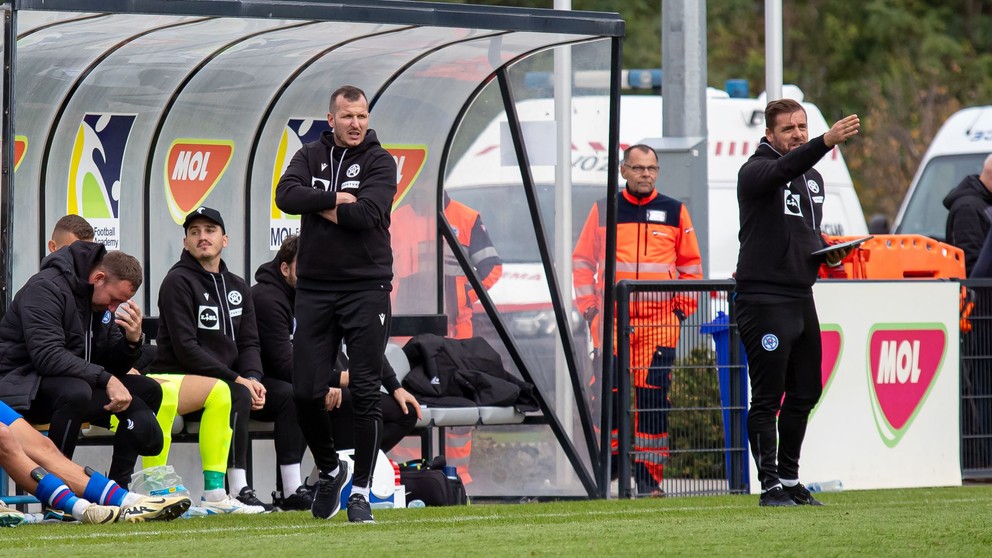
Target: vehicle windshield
x=925 y=213
x=506 y=215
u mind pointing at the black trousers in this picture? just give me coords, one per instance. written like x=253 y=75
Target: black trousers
x=784 y=353
x=66 y=403
x=323 y=319
x=237 y=458
x=395 y=424
x=280 y=408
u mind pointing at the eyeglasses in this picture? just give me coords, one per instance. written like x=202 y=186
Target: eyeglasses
x=653 y=169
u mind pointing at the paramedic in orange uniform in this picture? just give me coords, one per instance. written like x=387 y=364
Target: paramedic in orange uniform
x=655 y=241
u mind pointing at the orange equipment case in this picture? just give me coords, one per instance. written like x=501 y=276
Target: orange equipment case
x=898 y=256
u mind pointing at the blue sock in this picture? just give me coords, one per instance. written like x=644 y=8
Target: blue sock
x=54 y=492
x=102 y=490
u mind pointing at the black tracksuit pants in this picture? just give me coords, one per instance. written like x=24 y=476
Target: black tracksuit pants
x=66 y=403
x=323 y=320
x=784 y=353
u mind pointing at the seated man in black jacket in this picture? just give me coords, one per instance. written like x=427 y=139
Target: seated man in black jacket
x=67 y=342
x=273 y=294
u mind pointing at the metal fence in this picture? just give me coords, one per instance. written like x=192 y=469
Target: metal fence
x=976 y=380
x=683 y=407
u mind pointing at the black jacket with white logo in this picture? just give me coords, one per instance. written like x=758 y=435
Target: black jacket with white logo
x=354 y=254
x=50 y=329
x=206 y=323
x=781 y=205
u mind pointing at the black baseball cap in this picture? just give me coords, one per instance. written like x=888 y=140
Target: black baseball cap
x=207 y=213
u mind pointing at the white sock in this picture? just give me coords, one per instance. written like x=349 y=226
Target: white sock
x=131 y=499
x=364 y=491
x=291 y=479
x=237 y=479
x=79 y=508
x=215 y=495
x=789 y=483
x=334 y=472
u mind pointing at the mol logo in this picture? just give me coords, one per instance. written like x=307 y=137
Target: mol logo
x=298 y=131
x=903 y=362
x=20 y=148
x=192 y=169
x=410 y=161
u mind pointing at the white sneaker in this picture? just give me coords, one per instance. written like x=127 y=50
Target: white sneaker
x=229 y=505
x=96 y=514
x=10 y=517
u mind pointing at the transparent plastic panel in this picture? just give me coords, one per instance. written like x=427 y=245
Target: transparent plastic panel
x=418 y=110
x=50 y=61
x=208 y=141
x=299 y=114
x=483 y=173
x=100 y=147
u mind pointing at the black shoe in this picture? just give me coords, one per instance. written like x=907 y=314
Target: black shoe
x=775 y=497
x=327 y=496
x=248 y=498
x=801 y=496
x=301 y=500
x=359 y=510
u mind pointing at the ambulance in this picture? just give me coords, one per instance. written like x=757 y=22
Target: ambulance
x=483 y=179
x=959 y=149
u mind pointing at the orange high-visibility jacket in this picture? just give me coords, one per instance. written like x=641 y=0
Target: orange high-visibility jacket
x=459 y=295
x=655 y=241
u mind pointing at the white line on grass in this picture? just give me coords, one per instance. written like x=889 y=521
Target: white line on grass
x=315 y=524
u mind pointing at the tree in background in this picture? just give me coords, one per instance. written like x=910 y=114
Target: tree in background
x=904 y=67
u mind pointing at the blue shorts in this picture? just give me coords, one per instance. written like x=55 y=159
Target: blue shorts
x=7 y=415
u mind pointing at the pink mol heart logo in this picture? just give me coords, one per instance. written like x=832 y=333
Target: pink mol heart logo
x=903 y=362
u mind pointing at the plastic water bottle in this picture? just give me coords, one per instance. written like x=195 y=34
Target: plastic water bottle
x=828 y=486
x=416 y=504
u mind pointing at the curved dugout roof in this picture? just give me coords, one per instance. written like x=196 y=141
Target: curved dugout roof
x=134 y=113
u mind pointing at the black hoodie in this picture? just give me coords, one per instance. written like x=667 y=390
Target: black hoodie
x=206 y=323
x=968 y=223
x=50 y=329
x=273 y=299
x=781 y=204
x=355 y=253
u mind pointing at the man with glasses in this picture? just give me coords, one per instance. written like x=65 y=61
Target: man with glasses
x=655 y=241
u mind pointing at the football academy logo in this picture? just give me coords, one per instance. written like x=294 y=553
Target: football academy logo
x=94 y=189
x=208 y=318
x=234 y=297
x=904 y=360
x=353 y=171
x=769 y=342
x=813 y=186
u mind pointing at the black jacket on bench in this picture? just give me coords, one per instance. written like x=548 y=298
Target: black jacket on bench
x=50 y=329
x=448 y=372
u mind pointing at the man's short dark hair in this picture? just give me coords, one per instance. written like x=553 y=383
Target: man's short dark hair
x=638 y=147
x=780 y=106
x=287 y=251
x=121 y=267
x=349 y=92
x=76 y=226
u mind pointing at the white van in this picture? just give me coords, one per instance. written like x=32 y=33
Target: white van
x=959 y=149
x=735 y=126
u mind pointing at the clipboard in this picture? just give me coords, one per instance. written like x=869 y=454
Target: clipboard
x=842 y=245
